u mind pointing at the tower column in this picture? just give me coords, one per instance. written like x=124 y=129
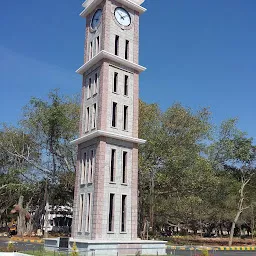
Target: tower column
x=98 y=201
x=134 y=194
x=103 y=97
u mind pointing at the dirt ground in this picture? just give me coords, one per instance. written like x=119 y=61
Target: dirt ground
x=216 y=241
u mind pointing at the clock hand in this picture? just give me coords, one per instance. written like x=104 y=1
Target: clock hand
x=121 y=15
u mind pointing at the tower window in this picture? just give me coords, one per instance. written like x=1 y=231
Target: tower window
x=123 y=212
x=94 y=48
x=88 y=213
x=117 y=45
x=95 y=90
x=113 y=165
x=84 y=165
x=126 y=85
x=126 y=49
x=91 y=166
x=125 y=120
x=124 y=174
x=94 y=116
x=81 y=213
x=114 y=112
x=115 y=82
x=87 y=119
x=98 y=44
x=91 y=50
x=111 y=213
x=89 y=91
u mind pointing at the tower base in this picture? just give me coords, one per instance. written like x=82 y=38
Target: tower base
x=116 y=248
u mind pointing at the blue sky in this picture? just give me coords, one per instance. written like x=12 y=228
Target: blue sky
x=201 y=53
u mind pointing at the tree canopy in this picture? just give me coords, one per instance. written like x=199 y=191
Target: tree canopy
x=193 y=175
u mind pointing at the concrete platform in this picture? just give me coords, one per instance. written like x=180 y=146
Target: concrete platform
x=13 y=254
x=52 y=244
x=114 y=248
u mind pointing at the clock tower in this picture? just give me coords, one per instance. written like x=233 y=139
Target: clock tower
x=105 y=200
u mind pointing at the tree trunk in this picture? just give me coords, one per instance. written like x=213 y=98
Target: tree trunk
x=252 y=221
x=37 y=217
x=46 y=220
x=221 y=230
x=239 y=211
x=201 y=227
x=46 y=212
x=1 y=212
x=141 y=207
x=152 y=194
x=21 y=222
x=29 y=227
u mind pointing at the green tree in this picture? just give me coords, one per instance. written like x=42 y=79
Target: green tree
x=234 y=152
x=149 y=160
x=173 y=172
x=41 y=146
x=14 y=179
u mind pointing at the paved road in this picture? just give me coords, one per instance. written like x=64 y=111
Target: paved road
x=20 y=246
x=25 y=246
x=216 y=253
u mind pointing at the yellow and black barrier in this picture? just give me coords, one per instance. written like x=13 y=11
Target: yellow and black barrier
x=217 y=248
x=27 y=240
x=237 y=248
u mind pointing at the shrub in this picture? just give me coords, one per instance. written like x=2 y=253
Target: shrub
x=205 y=253
x=10 y=247
x=74 y=250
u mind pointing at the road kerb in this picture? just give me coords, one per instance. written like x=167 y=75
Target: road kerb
x=22 y=239
x=237 y=248
x=213 y=248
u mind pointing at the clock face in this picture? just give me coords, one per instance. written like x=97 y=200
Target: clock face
x=96 y=19
x=122 y=16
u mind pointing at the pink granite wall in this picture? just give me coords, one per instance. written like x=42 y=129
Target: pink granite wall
x=82 y=108
x=76 y=197
x=134 y=192
x=98 y=198
x=136 y=38
x=103 y=97
x=105 y=25
x=134 y=182
x=87 y=29
x=135 y=105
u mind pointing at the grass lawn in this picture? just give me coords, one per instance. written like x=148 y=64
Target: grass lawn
x=44 y=253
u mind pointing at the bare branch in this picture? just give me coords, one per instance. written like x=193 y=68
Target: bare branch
x=33 y=163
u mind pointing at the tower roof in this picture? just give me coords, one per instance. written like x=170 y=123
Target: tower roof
x=89 y=5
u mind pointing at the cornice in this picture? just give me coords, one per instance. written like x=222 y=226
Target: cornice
x=136 y=241
x=109 y=56
x=109 y=135
x=90 y=5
